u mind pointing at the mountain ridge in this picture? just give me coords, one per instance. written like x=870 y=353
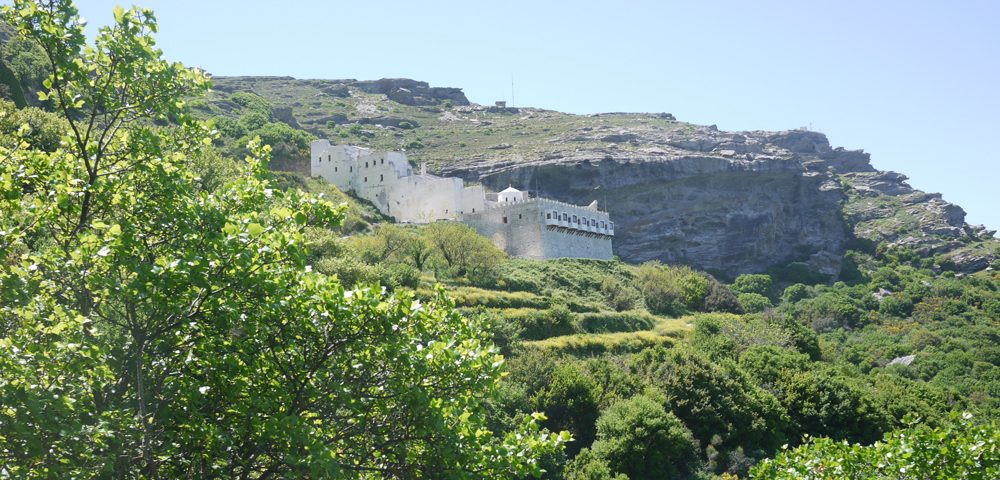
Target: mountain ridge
x=731 y=202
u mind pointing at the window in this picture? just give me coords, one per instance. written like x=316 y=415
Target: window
x=504 y=219
x=383 y=161
x=366 y=164
x=381 y=177
x=329 y=158
x=576 y=219
x=334 y=169
x=352 y=168
x=519 y=216
x=366 y=179
x=548 y=216
x=473 y=210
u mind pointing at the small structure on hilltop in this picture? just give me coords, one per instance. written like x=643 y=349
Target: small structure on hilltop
x=521 y=226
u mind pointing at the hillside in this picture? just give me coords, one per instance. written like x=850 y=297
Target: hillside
x=727 y=202
x=177 y=300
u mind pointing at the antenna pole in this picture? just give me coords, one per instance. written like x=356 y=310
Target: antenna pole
x=511 y=89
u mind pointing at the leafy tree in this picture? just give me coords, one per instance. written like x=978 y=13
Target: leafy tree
x=794 y=293
x=641 y=439
x=569 y=401
x=465 y=252
x=821 y=401
x=753 y=283
x=714 y=399
x=753 y=302
x=150 y=328
x=44 y=129
x=961 y=449
x=670 y=290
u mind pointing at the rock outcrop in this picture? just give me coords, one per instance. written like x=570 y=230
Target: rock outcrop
x=738 y=202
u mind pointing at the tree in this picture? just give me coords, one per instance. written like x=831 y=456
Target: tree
x=670 y=290
x=753 y=283
x=641 y=439
x=151 y=328
x=961 y=449
x=465 y=252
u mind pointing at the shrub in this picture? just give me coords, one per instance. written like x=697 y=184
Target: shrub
x=720 y=298
x=640 y=438
x=897 y=305
x=961 y=449
x=753 y=283
x=753 y=302
x=669 y=290
x=795 y=292
x=553 y=322
x=605 y=322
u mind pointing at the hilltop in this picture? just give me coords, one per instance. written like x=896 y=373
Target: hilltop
x=727 y=202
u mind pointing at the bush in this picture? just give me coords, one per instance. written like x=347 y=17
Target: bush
x=961 y=449
x=605 y=322
x=670 y=290
x=753 y=302
x=721 y=299
x=753 y=283
x=553 y=322
x=619 y=296
x=897 y=305
x=641 y=439
x=795 y=292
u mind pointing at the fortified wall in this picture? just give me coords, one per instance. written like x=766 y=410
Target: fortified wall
x=388 y=180
x=523 y=227
x=542 y=228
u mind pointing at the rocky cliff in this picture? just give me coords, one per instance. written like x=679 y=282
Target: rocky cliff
x=733 y=202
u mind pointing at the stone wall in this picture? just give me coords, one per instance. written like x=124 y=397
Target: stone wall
x=387 y=180
x=526 y=229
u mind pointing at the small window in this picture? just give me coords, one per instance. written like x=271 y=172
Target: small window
x=504 y=219
x=352 y=168
x=473 y=210
x=334 y=169
x=329 y=158
x=366 y=164
x=381 y=177
x=519 y=216
x=548 y=216
x=366 y=179
x=383 y=161
x=576 y=219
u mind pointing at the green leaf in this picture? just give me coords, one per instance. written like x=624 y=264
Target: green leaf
x=255 y=229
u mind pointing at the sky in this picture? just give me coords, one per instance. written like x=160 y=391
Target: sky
x=915 y=83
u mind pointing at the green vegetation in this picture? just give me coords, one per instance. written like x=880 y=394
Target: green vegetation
x=169 y=308
x=158 y=324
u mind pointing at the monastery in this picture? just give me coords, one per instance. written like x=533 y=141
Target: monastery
x=521 y=226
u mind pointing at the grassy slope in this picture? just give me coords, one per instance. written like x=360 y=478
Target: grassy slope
x=444 y=135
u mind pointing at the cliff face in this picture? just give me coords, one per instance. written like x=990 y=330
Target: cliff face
x=718 y=201
x=729 y=201
x=744 y=201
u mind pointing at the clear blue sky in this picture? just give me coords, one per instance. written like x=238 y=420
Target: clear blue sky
x=915 y=83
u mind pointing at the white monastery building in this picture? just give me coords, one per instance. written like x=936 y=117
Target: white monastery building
x=521 y=226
